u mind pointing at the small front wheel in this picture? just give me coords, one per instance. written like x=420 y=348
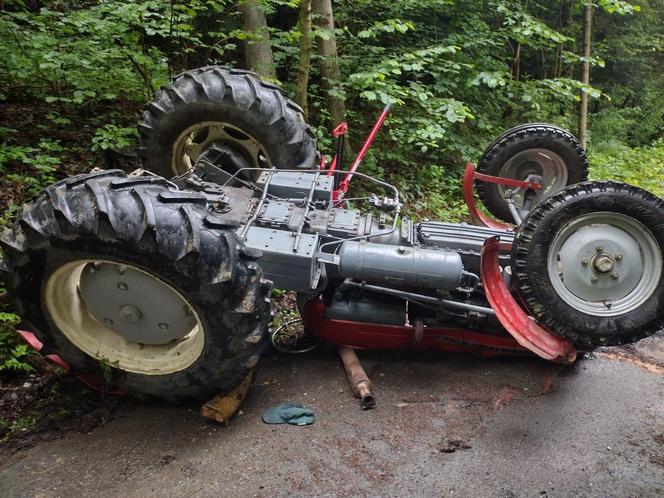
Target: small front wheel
x=547 y=151
x=589 y=263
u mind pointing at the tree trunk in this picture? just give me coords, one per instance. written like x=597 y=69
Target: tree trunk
x=257 y=48
x=327 y=49
x=304 y=24
x=585 y=74
x=516 y=65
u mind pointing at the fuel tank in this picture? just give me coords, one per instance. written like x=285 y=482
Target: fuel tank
x=400 y=266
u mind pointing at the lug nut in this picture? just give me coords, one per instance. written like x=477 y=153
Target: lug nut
x=122 y=286
x=593 y=279
x=163 y=326
x=618 y=257
x=615 y=276
x=108 y=321
x=599 y=248
x=584 y=261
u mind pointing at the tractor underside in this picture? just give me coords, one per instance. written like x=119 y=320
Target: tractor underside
x=372 y=279
x=162 y=278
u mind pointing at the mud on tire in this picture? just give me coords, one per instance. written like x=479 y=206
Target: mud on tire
x=146 y=223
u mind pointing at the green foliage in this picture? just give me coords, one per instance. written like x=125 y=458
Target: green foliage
x=37 y=163
x=13 y=353
x=114 y=137
x=640 y=166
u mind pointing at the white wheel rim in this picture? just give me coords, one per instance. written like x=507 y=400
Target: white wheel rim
x=187 y=147
x=68 y=311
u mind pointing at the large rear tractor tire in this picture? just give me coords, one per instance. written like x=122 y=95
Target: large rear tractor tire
x=234 y=109
x=530 y=149
x=589 y=263
x=133 y=281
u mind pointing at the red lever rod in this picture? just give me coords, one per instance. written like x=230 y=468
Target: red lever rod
x=343 y=187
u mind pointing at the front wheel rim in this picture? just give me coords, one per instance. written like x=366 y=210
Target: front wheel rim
x=604 y=264
x=542 y=162
x=67 y=308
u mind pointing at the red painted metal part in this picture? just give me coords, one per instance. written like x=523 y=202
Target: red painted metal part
x=343 y=187
x=340 y=129
x=527 y=332
x=31 y=340
x=511 y=182
x=469 y=197
x=359 y=335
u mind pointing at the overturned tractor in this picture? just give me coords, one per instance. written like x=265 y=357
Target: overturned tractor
x=165 y=274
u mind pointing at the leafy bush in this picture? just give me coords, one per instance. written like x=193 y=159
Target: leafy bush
x=640 y=166
x=114 y=137
x=13 y=353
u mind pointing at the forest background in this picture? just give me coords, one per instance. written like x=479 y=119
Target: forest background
x=75 y=76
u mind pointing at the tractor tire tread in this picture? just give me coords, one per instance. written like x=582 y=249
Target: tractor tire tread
x=129 y=219
x=260 y=110
x=529 y=262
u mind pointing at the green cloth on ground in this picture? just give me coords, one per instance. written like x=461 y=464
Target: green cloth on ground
x=289 y=413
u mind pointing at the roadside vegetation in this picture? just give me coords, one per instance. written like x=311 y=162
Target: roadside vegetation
x=75 y=76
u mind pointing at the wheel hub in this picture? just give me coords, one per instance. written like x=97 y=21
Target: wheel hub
x=542 y=162
x=603 y=263
x=133 y=304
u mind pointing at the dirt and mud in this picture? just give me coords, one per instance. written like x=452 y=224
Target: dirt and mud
x=445 y=425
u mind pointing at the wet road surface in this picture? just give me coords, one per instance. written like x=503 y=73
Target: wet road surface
x=446 y=425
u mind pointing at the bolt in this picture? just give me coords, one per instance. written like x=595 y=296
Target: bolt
x=120 y=269
x=615 y=276
x=108 y=321
x=402 y=249
x=584 y=261
x=163 y=326
x=618 y=256
x=599 y=248
x=593 y=279
x=122 y=286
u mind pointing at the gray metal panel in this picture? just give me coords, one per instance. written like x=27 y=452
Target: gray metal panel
x=287 y=184
x=276 y=213
x=463 y=238
x=287 y=268
x=384 y=309
x=457 y=236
